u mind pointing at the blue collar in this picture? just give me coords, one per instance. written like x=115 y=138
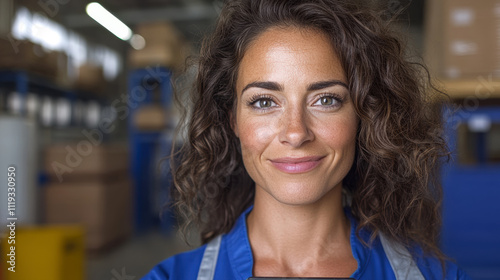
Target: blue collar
x=240 y=252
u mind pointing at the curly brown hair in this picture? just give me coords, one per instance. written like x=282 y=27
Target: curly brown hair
x=393 y=182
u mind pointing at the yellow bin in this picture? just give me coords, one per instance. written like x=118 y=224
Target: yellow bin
x=48 y=252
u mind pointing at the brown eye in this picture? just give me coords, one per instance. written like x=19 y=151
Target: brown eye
x=265 y=103
x=327 y=100
x=261 y=102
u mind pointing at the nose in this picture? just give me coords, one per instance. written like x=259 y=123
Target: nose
x=295 y=130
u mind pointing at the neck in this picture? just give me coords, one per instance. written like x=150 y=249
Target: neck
x=298 y=235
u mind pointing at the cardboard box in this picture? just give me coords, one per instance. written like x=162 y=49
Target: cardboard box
x=74 y=161
x=151 y=118
x=463 y=39
x=158 y=33
x=152 y=56
x=164 y=46
x=103 y=207
x=31 y=57
x=57 y=64
x=90 y=78
x=24 y=55
x=172 y=57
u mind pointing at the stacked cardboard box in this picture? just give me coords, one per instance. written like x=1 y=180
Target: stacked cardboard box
x=164 y=47
x=90 y=187
x=58 y=63
x=90 y=78
x=22 y=55
x=151 y=118
x=463 y=38
x=33 y=58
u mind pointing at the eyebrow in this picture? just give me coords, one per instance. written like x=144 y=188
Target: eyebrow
x=265 y=85
x=277 y=87
x=326 y=84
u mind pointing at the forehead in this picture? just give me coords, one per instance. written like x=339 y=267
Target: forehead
x=285 y=53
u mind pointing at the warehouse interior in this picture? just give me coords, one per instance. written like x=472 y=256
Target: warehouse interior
x=87 y=122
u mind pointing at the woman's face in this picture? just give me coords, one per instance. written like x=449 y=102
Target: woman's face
x=294 y=117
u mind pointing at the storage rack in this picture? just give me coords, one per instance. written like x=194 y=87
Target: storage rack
x=471 y=226
x=155 y=83
x=22 y=82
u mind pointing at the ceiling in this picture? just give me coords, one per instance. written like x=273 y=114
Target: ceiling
x=194 y=18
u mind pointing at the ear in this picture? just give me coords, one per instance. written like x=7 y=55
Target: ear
x=232 y=121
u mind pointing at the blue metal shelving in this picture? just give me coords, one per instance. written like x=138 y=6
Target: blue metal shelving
x=471 y=208
x=23 y=82
x=144 y=84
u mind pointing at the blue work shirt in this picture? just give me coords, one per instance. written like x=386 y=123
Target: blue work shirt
x=235 y=260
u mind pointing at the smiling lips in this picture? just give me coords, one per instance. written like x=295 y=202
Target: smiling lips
x=296 y=165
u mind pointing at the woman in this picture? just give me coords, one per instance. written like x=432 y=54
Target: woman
x=312 y=150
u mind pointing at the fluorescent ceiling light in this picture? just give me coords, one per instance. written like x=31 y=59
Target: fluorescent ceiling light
x=109 y=21
x=137 y=42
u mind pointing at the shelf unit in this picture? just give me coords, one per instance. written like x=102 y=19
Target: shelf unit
x=155 y=84
x=471 y=190
x=481 y=88
x=23 y=83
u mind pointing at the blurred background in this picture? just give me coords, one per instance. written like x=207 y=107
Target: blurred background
x=86 y=122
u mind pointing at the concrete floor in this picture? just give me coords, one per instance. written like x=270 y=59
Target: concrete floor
x=134 y=258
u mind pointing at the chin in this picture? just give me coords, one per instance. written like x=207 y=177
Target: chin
x=298 y=194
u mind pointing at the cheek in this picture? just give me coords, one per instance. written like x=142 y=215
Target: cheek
x=340 y=134
x=255 y=136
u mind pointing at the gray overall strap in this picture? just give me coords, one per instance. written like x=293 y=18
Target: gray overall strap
x=209 y=261
x=402 y=263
